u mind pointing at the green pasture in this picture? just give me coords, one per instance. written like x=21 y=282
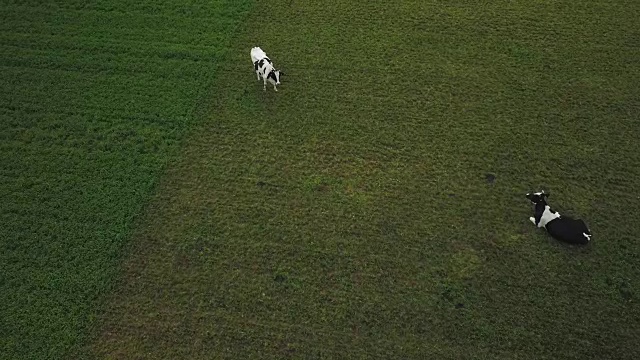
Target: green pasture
x=95 y=100
x=158 y=204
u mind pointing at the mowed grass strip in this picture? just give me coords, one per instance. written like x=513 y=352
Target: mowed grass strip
x=374 y=207
x=95 y=99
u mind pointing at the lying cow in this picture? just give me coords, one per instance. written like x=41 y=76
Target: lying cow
x=562 y=228
x=264 y=68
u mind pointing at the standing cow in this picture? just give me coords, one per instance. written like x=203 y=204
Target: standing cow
x=562 y=228
x=264 y=68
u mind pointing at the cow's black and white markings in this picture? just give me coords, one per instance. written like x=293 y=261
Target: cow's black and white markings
x=264 y=68
x=563 y=228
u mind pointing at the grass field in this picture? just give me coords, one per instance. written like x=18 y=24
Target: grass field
x=94 y=101
x=372 y=208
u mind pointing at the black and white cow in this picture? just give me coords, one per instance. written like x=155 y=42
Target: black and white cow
x=562 y=228
x=264 y=68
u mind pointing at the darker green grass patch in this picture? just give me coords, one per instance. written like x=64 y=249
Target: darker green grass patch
x=95 y=99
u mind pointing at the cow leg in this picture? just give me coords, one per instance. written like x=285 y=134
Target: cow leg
x=533 y=220
x=264 y=87
x=274 y=88
x=258 y=75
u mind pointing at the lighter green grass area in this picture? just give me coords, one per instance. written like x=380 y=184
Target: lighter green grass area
x=95 y=99
x=349 y=215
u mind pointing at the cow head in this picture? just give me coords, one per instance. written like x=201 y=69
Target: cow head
x=274 y=75
x=542 y=212
x=538 y=197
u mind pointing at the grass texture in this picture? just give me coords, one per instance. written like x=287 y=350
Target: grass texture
x=374 y=207
x=95 y=98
